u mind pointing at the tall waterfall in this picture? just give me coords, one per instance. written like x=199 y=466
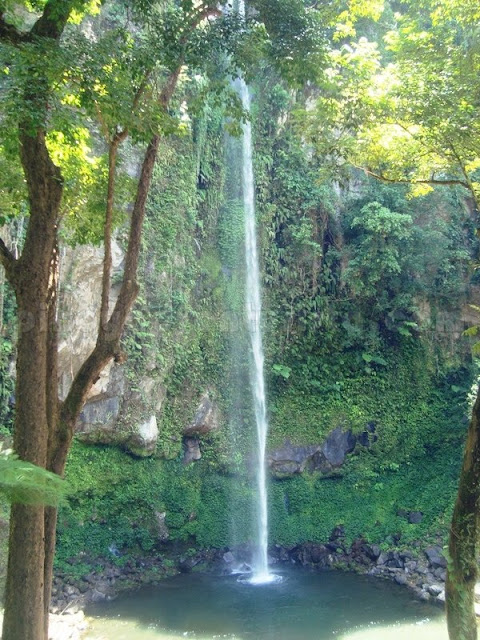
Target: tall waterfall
x=261 y=571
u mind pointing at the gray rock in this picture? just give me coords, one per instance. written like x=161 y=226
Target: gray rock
x=96 y=596
x=143 y=441
x=401 y=578
x=96 y=422
x=206 y=418
x=228 y=557
x=291 y=459
x=435 y=557
x=435 y=589
x=415 y=517
x=337 y=445
x=192 y=450
x=440 y=573
x=162 y=530
x=373 y=551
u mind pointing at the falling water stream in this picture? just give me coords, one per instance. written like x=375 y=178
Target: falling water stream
x=261 y=571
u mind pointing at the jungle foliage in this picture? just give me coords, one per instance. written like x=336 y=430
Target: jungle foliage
x=366 y=170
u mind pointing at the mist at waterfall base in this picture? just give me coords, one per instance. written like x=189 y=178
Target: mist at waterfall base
x=304 y=606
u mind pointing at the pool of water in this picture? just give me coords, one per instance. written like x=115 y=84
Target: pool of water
x=303 y=606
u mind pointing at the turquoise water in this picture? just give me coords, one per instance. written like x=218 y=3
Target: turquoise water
x=304 y=606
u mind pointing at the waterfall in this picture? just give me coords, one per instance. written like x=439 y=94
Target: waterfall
x=261 y=571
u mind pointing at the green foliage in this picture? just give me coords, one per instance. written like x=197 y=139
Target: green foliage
x=25 y=483
x=343 y=274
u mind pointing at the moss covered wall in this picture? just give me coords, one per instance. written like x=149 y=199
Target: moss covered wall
x=352 y=339
x=362 y=327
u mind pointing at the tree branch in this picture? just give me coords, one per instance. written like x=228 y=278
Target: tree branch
x=49 y=25
x=432 y=181
x=108 y=226
x=53 y=19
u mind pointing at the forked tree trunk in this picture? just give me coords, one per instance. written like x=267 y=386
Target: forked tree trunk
x=43 y=427
x=462 y=565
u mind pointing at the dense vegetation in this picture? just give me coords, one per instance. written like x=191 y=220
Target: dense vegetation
x=366 y=288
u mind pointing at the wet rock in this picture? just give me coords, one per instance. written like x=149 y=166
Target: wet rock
x=401 y=578
x=228 y=557
x=191 y=450
x=206 y=418
x=435 y=557
x=96 y=596
x=435 y=589
x=291 y=459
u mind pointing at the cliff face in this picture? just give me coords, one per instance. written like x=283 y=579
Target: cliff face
x=367 y=371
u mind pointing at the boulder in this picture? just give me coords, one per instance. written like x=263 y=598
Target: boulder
x=97 y=420
x=191 y=450
x=206 y=418
x=435 y=589
x=326 y=457
x=338 y=443
x=143 y=441
x=435 y=557
x=228 y=557
x=290 y=459
x=415 y=517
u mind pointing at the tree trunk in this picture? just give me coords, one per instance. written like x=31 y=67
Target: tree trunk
x=43 y=427
x=462 y=566
x=32 y=279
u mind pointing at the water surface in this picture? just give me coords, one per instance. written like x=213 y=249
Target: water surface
x=304 y=606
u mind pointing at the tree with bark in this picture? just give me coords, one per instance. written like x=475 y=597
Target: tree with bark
x=60 y=85
x=44 y=425
x=410 y=115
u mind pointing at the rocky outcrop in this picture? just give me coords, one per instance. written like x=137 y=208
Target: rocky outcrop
x=205 y=421
x=191 y=451
x=97 y=421
x=143 y=439
x=206 y=418
x=325 y=457
x=80 y=292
